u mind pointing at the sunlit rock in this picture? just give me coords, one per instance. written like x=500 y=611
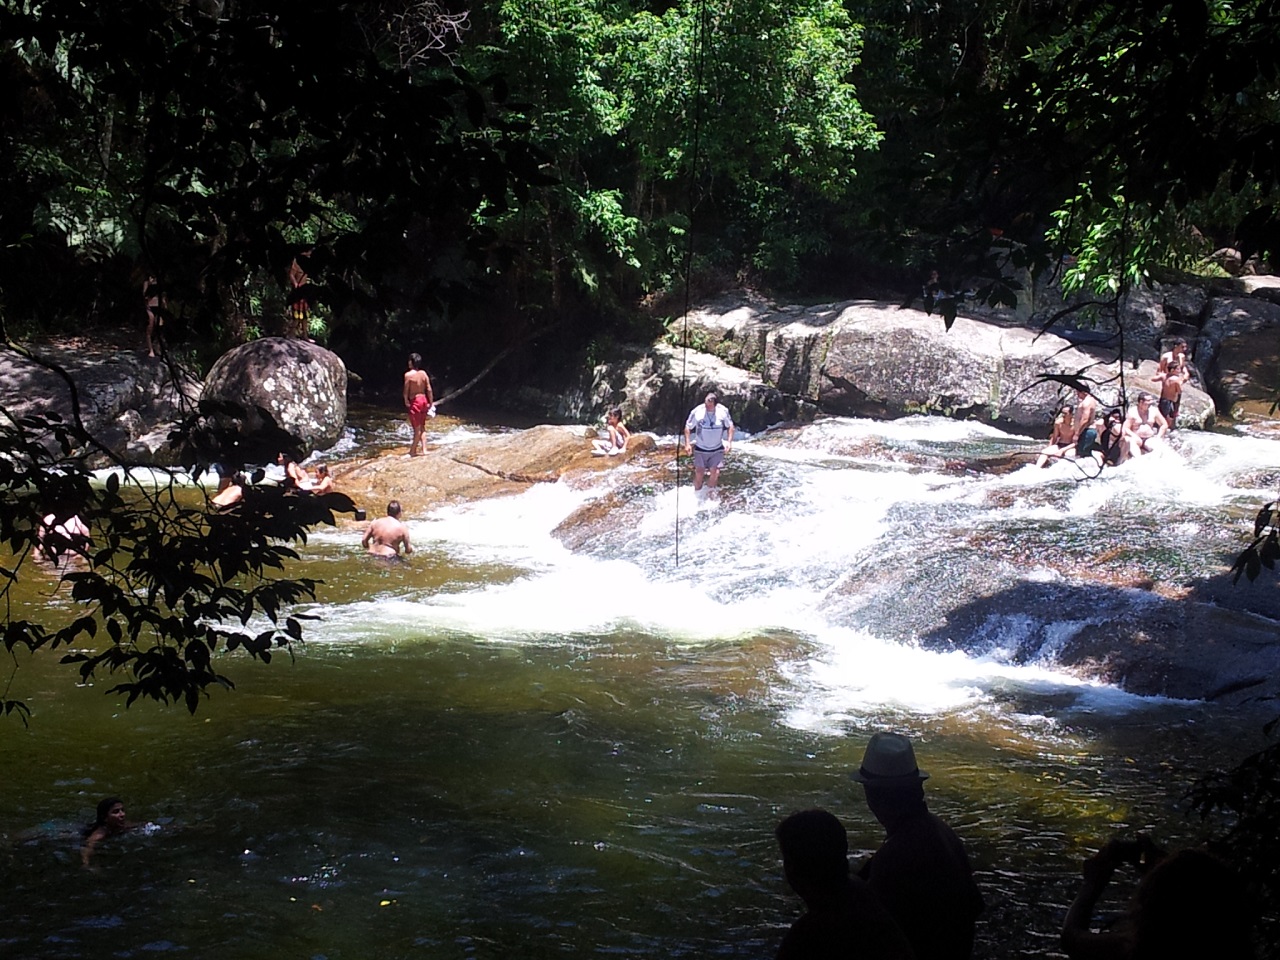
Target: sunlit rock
x=301 y=385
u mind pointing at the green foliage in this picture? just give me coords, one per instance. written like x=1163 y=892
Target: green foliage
x=1116 y=246
x=622 y=97
x=1264 y=549
x=165 y=588
x=207 y=147
x=1165 y=104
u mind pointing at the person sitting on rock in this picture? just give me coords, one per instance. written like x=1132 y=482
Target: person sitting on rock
x=1144 y=426
x=230 y=492
x=323 y=482
x=1111 y=439
x=1061 y=438
x=615 y=441
x=295 y=475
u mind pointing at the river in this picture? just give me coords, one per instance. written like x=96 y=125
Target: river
x=504 y=747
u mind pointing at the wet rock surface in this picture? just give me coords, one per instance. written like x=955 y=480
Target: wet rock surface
x=128 y=401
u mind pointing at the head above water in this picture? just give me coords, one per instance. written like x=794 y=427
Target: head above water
x=393 y=509
x=110 y=812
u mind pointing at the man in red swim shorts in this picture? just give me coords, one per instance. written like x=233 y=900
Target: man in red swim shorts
x=417 y=400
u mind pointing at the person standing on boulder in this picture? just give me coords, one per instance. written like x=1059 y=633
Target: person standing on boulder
x=153 y=301
x=714 y=428
x=418 y=400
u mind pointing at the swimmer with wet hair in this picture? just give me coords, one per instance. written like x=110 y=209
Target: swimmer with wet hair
x=387 y=534
x=109 y=822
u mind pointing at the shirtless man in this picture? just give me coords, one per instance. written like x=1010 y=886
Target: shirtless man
x=1086 y=411
x=385 y=535
x=418 y=400
x=1145 y=426
x=1174 y=372
x=1174 y=359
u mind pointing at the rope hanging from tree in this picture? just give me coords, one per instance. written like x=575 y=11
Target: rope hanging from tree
x=699 y=66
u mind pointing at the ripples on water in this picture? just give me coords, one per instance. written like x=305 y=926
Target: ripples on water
x=507 y=748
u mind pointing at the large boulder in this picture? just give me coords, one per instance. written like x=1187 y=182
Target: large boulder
x=863 y=358
x=302 y=386
x=1240 y=341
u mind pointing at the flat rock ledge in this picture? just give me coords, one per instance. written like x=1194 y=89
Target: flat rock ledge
x=496 y=465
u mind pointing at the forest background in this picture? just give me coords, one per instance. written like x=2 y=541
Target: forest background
x=546 y=174
x=538 y=180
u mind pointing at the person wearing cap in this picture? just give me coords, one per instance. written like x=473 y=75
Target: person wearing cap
x=843 y=917
x=714 y=437
x=1145 y=426
x=921 y=872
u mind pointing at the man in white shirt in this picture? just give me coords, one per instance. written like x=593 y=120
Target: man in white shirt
x=714 y=435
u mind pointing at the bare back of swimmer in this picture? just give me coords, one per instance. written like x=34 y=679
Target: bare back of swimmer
x=386 y=534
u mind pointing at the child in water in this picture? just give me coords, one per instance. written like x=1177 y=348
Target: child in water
x=110 y=821
x=616 y=441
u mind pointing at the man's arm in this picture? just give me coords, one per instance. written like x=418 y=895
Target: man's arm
x=728 y=440
x=431 y=397
x=688 y=444
x=405 y=392
x=368 y=535
x=1162 y=425
x=408 y=547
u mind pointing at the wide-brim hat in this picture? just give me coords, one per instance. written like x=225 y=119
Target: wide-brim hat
x=889 y=760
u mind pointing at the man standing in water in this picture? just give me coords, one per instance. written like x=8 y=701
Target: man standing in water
x=714 y=428
x=418 y=400
x=921 y=872
x=386 y=534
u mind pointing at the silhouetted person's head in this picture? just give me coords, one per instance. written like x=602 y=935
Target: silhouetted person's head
x=893 y=781
x=1192 y=904
x=815 y=852
x=393 y=509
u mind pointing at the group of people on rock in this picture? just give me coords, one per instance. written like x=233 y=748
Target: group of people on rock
x=1083 y=431
x=294 y=478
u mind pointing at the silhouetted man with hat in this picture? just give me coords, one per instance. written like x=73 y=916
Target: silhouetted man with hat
x=921 y=872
